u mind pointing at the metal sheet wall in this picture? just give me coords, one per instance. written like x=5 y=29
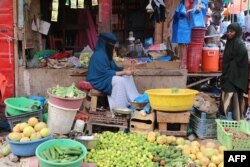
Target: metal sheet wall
x=7 y=45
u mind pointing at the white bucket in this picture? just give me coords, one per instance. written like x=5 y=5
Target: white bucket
x=60 y=120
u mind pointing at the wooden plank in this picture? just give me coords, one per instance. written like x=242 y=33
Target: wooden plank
x=183 y=127
x=204 y=74
x=200 y=81
x=160 y=72
x=108 y=125
x=173 y=133
x=93 y=103
x=162 y=126
x=182 y=117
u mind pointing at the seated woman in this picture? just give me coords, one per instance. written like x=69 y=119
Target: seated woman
x=107 y=77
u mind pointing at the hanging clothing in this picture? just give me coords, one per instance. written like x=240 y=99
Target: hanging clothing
x=88 y=35
x=124 y=91
x=233 y=102
x=101 y=69
x=234 y=78
x=159 y=14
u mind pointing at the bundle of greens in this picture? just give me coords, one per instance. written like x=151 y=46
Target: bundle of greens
x=66 y=92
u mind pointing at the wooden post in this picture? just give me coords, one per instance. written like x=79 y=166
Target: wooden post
x=104 y=16
x=16 y=59
x=167 y=25
x=158 y=33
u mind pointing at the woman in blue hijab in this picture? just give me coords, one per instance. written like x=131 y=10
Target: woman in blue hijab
x=107 y=77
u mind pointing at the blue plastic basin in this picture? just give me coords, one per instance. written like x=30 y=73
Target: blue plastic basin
x=26 y=148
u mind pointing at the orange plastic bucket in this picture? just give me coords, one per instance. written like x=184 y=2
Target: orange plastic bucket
x=210 y=59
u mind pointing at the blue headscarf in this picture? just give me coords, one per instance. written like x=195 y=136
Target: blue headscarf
x=101 y=70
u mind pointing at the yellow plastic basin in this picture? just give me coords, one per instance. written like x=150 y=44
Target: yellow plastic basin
x=171 y=100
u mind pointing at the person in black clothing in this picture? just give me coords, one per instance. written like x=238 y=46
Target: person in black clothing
x=234 y=78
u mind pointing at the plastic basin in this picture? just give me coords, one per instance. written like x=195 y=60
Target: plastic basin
x=63 y=143
x=171 y=100
x=21 y=105
x=67 y=103
x=26 y=148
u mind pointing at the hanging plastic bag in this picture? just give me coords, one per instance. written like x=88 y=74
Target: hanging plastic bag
x=247 y=18
x=223 y=27
x=181 y=29
x=241 y=19
x=197 y=19
x=198 y=14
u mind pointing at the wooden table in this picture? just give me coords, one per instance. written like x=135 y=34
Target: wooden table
x=204 y=76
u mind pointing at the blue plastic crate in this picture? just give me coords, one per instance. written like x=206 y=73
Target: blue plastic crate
x=202 y=126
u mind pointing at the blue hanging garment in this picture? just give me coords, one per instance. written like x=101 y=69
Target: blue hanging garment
x=181 y=29
x=198 y=14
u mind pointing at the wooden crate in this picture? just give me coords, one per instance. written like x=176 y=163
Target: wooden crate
x=105 y=119
x=142 y=124
x=167 y=120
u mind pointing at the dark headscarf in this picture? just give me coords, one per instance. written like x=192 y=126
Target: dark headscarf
x=102 y=67
x=235 y=63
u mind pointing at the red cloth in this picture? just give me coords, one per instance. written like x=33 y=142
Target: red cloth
x=3 y=83
x=60 y=55
x=89 y=35
x=85 y=85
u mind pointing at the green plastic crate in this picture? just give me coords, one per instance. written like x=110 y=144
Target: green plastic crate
x=226 y=138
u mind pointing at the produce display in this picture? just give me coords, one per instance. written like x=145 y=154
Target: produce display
x=29 y=131
x=237 y=134
x=60 y=154
x=121 y=149
x=66 y=92
x=84 y=58
x=153 y=150
x=4 y=150
x=169 y=156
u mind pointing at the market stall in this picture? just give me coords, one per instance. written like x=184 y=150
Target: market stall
x=168 y=124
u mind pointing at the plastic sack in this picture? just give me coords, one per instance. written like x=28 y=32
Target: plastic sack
x=85 y=55
x=181 y=29
x=223 y=27
x=142 y=98
x=147 y=108
x=247 y=23
x=197 y=19
x=241 y=19
x=148 y=42
x=198 y=14
x=164 y=58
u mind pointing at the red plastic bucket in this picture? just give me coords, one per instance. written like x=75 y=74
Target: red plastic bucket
x=194 y=57
x=66 y=103
x=210 y=59
x=198 y=35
